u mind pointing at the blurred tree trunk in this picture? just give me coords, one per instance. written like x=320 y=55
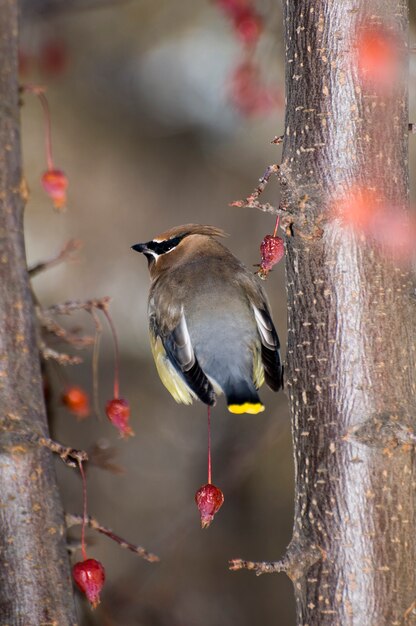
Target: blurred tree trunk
x=35 y=583
x=352 y=327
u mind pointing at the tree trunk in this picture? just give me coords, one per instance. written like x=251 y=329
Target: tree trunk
x=35 y=583
x=352 y=328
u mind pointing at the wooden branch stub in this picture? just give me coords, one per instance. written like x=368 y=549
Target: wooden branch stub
x=295 y=563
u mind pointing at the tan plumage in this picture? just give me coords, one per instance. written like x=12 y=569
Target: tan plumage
x=209 y=320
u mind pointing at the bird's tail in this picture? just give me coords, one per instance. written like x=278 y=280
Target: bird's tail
x=242 y=398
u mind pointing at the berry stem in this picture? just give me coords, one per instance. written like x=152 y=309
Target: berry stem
x=84 y=512
x=39 y=92
x=116 y=353
x=209 y=447
x=95 y=361
x=276 y=226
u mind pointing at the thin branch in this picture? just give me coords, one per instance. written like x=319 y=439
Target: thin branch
x=60 y=357
x=259 y=567
x=66 y=308
x=297 y=560
x=254 y=204
x=59 y=331
x=73 y=245
x=76 y=520
x=278 y=139
x=272 y=169
x=70 y=456
x=252 y=201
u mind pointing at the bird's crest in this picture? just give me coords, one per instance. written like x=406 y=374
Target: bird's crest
x=190 y=229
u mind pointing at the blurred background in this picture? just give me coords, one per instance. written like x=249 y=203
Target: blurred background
x=162 y=114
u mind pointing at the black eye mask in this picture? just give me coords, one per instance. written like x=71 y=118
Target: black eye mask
x=160 y=247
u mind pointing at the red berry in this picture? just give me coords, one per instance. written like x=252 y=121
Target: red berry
x=76 y=400
x=118 y=412
x=55 y=183
x=209 y=499
x=89 y=577
x=272 y=251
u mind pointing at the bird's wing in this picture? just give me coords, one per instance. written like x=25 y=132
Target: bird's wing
x=174 y=348
x=270 y=348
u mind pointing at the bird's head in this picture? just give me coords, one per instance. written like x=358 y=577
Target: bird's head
x=166 y=249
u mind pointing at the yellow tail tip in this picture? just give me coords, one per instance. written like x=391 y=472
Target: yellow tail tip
x=246 y=407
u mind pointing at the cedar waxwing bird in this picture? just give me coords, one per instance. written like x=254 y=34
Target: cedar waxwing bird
x=210 y=326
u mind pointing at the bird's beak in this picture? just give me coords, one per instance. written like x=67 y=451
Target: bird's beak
x=139 y=247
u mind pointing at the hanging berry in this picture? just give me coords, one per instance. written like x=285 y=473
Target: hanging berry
x=76 y=400
x=89 y=576
x=118 y=412
x=208 y=498
x=272 y=250
x=117 y=409
x=55 y=183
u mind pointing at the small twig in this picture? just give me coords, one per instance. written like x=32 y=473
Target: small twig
x=59 y=331
x=266 y=207
x=252 y=202
x=66 y=308
x=297 y=560
x=73 y=245
x=272 y=169
x=70 y=456
x=76 y=520
x=278 y=139
x=259 y=567
x=60 y=357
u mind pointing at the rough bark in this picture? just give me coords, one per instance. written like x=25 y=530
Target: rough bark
x=352 y=328
x=35 y=584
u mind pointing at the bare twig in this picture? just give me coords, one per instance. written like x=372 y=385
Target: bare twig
x=76 y=520
x=278 y=139
x=60 y=357
x=272 y=169
x=59 y=331
x=73 y=245
x=295 y=563
x=66 y=308
x=70 y=456
x=252 y=201
x=265 y=207
x=259 y=567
